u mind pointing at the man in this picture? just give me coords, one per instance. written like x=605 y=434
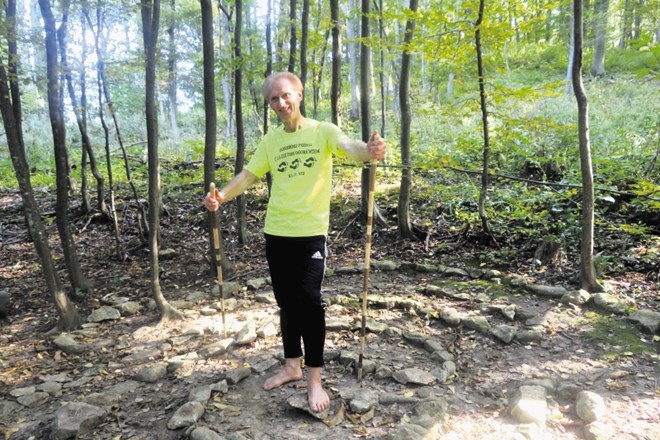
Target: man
x=299 y=156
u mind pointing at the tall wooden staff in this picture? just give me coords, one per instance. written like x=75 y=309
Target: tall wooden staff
x=218 y=258
x=367 y=264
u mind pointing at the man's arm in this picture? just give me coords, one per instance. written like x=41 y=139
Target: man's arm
x=361 y=151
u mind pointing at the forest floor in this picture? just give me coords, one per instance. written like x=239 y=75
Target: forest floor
x=583 y=345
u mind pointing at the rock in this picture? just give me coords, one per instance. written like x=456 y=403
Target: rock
x=264 y=366
x=547 y=291
x=267 y=330
x=265 y=298
x=407 y=432
x=228 y=288
x=152 y=373
x=52 y=388
x=509 y=312
x=567 y=391
x=442 y=356
x=238 y=374
x=504 y=333
x=247 y=334
x=530 y=335
x=415 y=339
x=336 y=325
x=68 y=344
x=376 y=327
x=433 y=407
x=23 y=391
x=432 y=345
x=129 y=307
x=299 y=401
x=456 y=272
x=414 y=376
x=188 y=414
x=529 y=405
x=577 y=297
x=203 y=433
x=104 y=313
x=383 y=372
x=255 y=283
x=107 y=400
x=647 y=319
x=217 y=348
x=598 y=431
x=385 y=265
x=221 y=387
x=589 y=406
x=200 y=394
x=141 y=354
x=478 y=323
x=610 y=303
x=391 y=399
x=33 y=399
x=75 y=420
x=363 y=401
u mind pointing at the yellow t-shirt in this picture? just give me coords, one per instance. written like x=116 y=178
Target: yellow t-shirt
x=301 y=167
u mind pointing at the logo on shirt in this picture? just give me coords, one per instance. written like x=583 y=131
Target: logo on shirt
x=317 y=256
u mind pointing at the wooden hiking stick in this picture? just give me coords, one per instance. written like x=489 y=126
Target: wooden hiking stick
x=218 y=258
x=367 y=264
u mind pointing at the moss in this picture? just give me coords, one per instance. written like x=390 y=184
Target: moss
x=622 y=338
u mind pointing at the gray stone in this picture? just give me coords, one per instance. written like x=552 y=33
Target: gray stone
x=363 y=401
x=264 y=366
x=75 y=420
x=267 y=330
x=567 y=391
x=188 y=414
x=385 y=265
x=152 y=373
x=255 y=283
x=23 y=391
x=34 y=399
x=265 y=298
x=577 y=297
x=203 y=433
x=610 y=303
x=200 y=394
x=217 y=348
x=228 y=288
x=530 y=335
x=647 y=319
x=7 y=408
x=598 y=431
x=442 y=356
x=299 y=401
x=529 y=405
x=432 y=345
x=247 y=334
x=141 y=354
x=383 y=372
x=415 y=339
x=414 y=376
x=504 y=333
x=104 y=313
x=236 y=375
x=129 y=307
x=221 y=387
x=547 y=291
x=456 y=272
x=68 y=344
x=336 y=325
x=434 y=407
x=478 y=323
x=376 y=327
x=107 y=400
x=52 y=388
x=391 y=399
x=407 y=432
x=589 y=406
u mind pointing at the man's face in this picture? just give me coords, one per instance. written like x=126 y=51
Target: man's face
x=284 y=99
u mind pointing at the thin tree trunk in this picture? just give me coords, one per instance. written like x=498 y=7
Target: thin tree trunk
x=78 y=280
x=84 y=185
x=303 y=49
x=335 y=86
x=587 y=268
x=403 y=211
x=600 y=23
x=172 y=75
x=293 y=39
x=353 y=48
x=484 y=121
x=225 y=54
x=150 y=24
x=240 y=134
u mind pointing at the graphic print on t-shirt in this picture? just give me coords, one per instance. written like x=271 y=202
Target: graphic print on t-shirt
x=290 y=158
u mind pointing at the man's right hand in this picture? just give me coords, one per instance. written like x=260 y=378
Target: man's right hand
x=213 y=202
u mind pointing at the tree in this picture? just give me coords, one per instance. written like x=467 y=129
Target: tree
x=210 y=121
x=303 y=49
x=78 y=280
x=150 y=24
x=600 y=24
x=403 y=211
x=240 y=134
x=10 y=108
x=335 y=86
x=172 y=74
x=293 y=36
x=587 y=268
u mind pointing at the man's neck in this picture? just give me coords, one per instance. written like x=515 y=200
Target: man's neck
x=294 y=124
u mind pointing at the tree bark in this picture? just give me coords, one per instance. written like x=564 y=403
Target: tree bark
x=335 y=87
x=601 y=8
x=172 y=75
x=353 y=48
x=403 y=207
x=587 y=268
x=303 y=49
x=150 y=24
x=78 y=280
x=293 y=38
x=10 y=108
x=240 y=134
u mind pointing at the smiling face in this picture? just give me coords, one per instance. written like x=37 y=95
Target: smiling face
x=284 y=99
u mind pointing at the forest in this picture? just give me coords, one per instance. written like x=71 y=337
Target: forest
x=523 y=138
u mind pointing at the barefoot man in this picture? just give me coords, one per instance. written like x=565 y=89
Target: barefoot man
x=298 y=154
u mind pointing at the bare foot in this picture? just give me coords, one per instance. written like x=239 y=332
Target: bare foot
x=317 y=398
x=289 y=373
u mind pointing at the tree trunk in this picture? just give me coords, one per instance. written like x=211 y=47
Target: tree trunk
x=84 y=185
x=353 y=48
x=587 y=268
x=172 y=75
x=225 y=53
x=600 y=23
x=303 y=49
x=483 y=194
x=240 y=134
x=86 y=143
x=383 y=84
x=78 y=280
x=293 y=39
x=403 y=211
x=335 y=87
x=211 y=123
x=365 y=75
x=150 y=23
x=10 y=108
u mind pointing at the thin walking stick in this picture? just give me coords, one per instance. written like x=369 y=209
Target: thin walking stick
x=218 y=258
x=367 y=264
